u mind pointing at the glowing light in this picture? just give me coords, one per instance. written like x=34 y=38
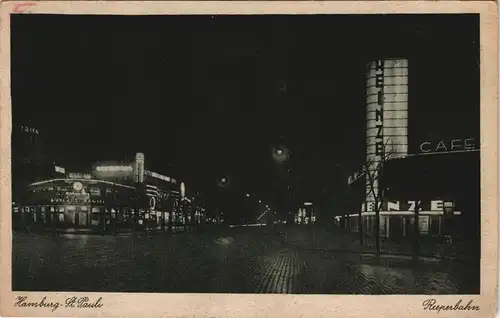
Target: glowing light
x=139 y=167
x=77 y=186
x=80 y=179
x=308 y=203
x=76 y=175
x=158 y=176
x=60 y=169
x=183 y=189
x=280 y=154
x=114 y=168
x=387 y=115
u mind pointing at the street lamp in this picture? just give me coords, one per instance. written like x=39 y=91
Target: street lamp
x=280 y=154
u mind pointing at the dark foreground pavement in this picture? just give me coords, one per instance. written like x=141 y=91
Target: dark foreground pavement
x=251 y=260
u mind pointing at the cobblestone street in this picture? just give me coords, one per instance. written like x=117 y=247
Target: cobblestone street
x=240 y=261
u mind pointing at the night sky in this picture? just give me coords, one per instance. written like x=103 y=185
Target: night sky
x=204 y=96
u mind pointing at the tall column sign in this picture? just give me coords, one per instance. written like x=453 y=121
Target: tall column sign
x=386 y=116
x=139 y=168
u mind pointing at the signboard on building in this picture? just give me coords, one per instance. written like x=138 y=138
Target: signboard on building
x=28 y=129
x=139 y=167
x=423 y=223
x=183 y=190
x=356 y=175
x=79 y=175
x=114 y=171
x=453 y=145
x=388 y=205
x=114 y=168
x=386 y=117
x=60 y=169
x=158 y=176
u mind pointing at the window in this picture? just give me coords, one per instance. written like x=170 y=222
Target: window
x=434 y=225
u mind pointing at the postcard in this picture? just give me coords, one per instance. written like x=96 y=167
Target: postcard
x=249 y=159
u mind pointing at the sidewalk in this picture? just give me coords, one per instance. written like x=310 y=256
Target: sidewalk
x=338 y=240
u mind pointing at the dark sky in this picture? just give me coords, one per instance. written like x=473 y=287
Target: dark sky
x=203 y=96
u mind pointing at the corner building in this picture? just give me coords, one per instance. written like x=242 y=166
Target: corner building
x=121 y=195
x=439 y=176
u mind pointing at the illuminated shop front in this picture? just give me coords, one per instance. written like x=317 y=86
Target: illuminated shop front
x=115 y=195
x=440 y=177
x=75 y=203
x=305 y=214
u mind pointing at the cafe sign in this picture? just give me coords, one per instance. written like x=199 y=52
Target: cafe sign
x=453 y=145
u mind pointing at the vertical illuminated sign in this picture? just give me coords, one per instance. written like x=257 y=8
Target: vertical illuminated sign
x=183 y=190
x=387 y=115
x=139 y=168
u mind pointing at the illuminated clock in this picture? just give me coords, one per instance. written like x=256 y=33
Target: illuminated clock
x=78 y=186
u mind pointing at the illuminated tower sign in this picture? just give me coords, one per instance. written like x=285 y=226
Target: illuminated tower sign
x=387 y=115
x=139 y=168
x=183 y=190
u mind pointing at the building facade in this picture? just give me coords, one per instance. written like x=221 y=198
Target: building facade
x=432 y=182
x=113 y=196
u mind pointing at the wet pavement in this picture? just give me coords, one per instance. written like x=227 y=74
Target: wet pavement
x=239 y=261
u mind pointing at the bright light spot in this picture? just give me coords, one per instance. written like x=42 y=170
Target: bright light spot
x=308 y=203
x=113 y=168
x=248 y=195
x=60 y=169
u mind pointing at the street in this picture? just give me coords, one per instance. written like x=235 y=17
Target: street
x=251 y=260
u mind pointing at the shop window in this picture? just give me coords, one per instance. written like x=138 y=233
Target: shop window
x=434 y=225
x=384 y=226
x=95 y=191
x=95 y=219
x=423 y=224
x=82 y=219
